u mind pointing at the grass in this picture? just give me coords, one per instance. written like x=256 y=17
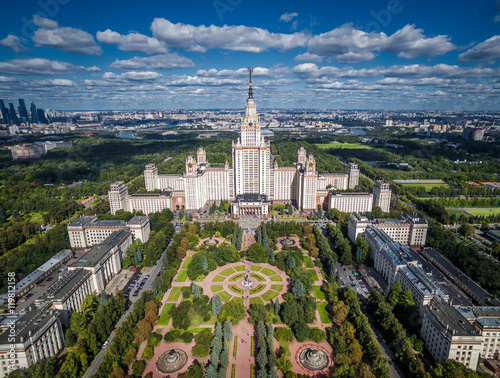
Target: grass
x=186 y=262
x=191 y=330
x=427 y=187
x=312 y=274
x=239 y=268
x=255 y=268
x=165 y=316
x=318 y=294
x=257 y=289
x=478 y=211
x=269 y=295
x=251 y=351
x=353 y=146
x=211 y=321
x=233 y=371
x=268 y=272
x=236 y=289
x=237 y=277
x=225 y=296
x=251 y=368
x=235 y=346
x=308 y=262
x=182 y=277
x=216 y=288
x=275 y=278
x=256 y=300
x=277 y=287
x=174 y=294
x=218 y=279
x=323 y=313
x=257 y=277
x=227 y=272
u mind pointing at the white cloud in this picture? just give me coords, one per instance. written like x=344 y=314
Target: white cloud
x=156 y=62
x=235 y=38
x=287 y=17
x=132 y=76
x=92 y=69
x=185 y=80
x=44 y=22
x=64 y=38
x=489 y=49
x=56 y=82
x=36 y=66
x=257 y=72
x=309 y=58
x=14 y=43
x=350 y=45
x=8 y=79
x=132 y=42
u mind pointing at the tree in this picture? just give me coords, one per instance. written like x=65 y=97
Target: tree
x=257 y=253
x=216 y=305
x=339 y=312
x=233 y=310
x=227 y=330
x=466 y=230
x=277 y=307
x=204 y=262
x=298 y=290
x=196 y=291
x=377 y=212
x=301 y=330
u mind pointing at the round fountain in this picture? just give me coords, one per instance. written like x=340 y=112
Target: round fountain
x=314 y=359
x=171 y=361
x=210 y=242
x=246 y=281
x=287 y=242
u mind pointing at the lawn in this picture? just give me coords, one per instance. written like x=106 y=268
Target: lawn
x=256 y=300
x=239 y=268
x=354 y=146
x=174 y=294
x=227 y=272
x=186 y=262
x=237 y=277
x=268 y=272
x=182 y=277
x=275 y=278
x=165 y=316
x=216 y=288
x=308 y=262
x=269 y=295
x=252 y=347
x=257 y=289
x=218 y=279
x=225 y=296
x=323 y=313
x=277 y=287
x=312 y=274
x=257 y=277
x=190 y=330
x=478 y=211
x=236 y=289
x=255 y=268
x=427 y=187
x=235 y=346
x=318 y=294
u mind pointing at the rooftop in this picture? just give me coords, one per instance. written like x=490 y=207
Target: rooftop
x=451 y=319
x=97 y=252
x=63 y=286
x=251 y=197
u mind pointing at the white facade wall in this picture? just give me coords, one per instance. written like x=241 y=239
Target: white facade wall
x=351 y=203
x=283 y=184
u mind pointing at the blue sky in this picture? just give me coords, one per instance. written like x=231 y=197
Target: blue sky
x=120 y=55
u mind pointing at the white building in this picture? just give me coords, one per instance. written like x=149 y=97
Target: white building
x=88 y=231
x=409 y=229
x=253 y=173
x=37 y=335
x=447 y=335
x=350 y=202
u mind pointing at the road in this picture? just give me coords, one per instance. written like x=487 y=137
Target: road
x=153 y=272
x=349 y=279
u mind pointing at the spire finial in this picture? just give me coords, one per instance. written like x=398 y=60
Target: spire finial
x=250 y=94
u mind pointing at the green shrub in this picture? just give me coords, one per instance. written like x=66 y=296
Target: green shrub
x=187 y=337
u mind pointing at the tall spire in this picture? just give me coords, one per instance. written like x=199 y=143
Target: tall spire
x=250 y=94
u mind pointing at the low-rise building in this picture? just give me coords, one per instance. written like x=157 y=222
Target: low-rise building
x=35 y=336
x=448 y=335
x=350 y=202
x=88 y=231
x=409 y=229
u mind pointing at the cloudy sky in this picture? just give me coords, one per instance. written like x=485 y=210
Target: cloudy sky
x=357 y=54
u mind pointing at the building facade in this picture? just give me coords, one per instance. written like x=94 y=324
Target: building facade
x=409 y=229
x=382 y=195
x=88 y=231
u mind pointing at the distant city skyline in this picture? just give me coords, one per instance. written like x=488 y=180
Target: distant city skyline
x=395 y=54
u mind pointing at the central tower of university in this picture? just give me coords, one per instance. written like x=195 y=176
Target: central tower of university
x=252 y=184
x=251 y=154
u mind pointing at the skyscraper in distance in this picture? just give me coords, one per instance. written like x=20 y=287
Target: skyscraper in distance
x=5 y=112
x=34 y=114
x=12 y=114
x=23 y=112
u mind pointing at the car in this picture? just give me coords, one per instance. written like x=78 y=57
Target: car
x=42 y=285
x=147 y=276
x=125 y=295
x=105 y=345
x=23 y=300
